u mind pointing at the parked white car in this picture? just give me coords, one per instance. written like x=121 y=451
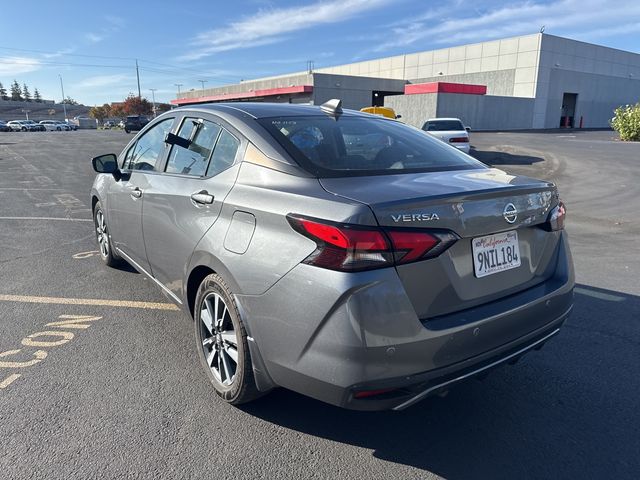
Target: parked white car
x=449 y=130
x=54 y=125
x=25 y=126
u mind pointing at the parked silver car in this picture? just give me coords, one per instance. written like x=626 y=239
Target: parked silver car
x=365 y=274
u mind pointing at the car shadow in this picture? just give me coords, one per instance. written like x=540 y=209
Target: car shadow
x=503 y=158
x=567 y=411
x=125 y=267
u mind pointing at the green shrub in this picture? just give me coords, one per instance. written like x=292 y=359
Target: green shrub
x=627 y=122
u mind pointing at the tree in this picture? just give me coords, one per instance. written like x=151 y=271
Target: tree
x=16 y=93
x=25 y=93
x=70 y=101
x=100 y=113
x=117 y=110
x=134 y=105
x=3 y=92
x=36 y=96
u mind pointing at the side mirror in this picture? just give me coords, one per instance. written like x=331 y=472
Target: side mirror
x=468 y=129
x=398 y=116
x=172 y=139
x=105 y=163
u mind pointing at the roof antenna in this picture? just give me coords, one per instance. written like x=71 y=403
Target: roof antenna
x=542 y=28
x=332 y=107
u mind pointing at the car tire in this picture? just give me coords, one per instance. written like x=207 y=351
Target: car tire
x=58 y=129
x=222 y=343
x=107 y=254
x=23 y=129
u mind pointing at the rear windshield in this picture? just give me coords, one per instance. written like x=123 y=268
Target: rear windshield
x=347 y=146
x=442 y=125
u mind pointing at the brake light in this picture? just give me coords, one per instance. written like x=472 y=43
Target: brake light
x=352 y=247
x=372 y=393
x=459 y=140
x=557 y=218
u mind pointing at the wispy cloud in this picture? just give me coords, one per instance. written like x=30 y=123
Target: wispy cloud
x=585 y=19
x=112 y=24
x=104 y=81
x=116 y=22
x=16 y=65
x=269 y=26
x=94 y=37
x=59 y=53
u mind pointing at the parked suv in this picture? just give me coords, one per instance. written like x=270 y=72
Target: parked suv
x=134 y=123
x=54 y=125
x=25 y=126
x=369 y=275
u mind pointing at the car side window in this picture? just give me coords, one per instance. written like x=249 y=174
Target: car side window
x=193 y=160
x=224 y=154
x=148 y=149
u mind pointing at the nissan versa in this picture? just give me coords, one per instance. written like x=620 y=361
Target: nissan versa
x=341 y=255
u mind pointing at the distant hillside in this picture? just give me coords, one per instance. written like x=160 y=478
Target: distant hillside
x=10 y=110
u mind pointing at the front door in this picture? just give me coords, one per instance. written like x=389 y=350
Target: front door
x=126 y=196
x=181 y=204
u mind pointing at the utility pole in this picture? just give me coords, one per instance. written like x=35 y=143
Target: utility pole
x=64 y=102
x=138 y=77
x=178 y=85
x=203 y=82
x=153 y=97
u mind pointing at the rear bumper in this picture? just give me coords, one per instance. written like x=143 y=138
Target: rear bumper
x=330 y=335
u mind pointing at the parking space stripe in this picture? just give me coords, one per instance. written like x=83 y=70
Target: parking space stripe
x=88 y=301
x=49 y=218
x=9 y=380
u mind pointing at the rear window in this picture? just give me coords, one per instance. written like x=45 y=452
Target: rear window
x=443 y=125
x=349 y=146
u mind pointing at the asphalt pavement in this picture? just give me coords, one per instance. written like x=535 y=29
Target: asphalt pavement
x=99 y=377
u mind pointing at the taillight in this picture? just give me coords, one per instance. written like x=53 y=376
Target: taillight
x=459 y=140
x=556 y=218
x=353 y=247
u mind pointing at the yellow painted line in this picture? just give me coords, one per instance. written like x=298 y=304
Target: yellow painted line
x=49 y=218
x=88 y=301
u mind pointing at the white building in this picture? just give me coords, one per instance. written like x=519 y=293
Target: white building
x=532 y=81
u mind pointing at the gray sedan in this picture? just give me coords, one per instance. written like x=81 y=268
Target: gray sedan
x=347 y=257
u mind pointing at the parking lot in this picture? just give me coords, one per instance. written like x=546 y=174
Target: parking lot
x=99 y=378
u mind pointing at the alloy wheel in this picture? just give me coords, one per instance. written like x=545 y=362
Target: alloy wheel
x=219 y=340
x=102 y=234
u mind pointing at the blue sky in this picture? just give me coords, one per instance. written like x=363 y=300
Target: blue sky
x=93 y=45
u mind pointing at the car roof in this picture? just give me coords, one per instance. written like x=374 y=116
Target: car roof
x=444 y=118
x=264 y=110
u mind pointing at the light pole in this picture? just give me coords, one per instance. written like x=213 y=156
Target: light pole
x=178 y=85
x=64 y=105
x=203 y=82
x=153 y=98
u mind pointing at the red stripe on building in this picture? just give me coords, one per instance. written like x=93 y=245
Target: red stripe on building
x=269 y=92
x=444 y=87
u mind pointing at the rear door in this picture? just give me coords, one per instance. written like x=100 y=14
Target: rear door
x=184 y=201
x=126 y=196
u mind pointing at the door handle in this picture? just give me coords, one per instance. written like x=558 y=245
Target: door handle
x=136 y=193
x=203 y=197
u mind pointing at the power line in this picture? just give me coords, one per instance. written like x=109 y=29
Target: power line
x=63 y=54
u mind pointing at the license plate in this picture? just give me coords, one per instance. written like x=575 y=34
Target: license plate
x=495 y=253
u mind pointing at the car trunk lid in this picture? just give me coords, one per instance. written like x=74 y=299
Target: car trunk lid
x=471 y=204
